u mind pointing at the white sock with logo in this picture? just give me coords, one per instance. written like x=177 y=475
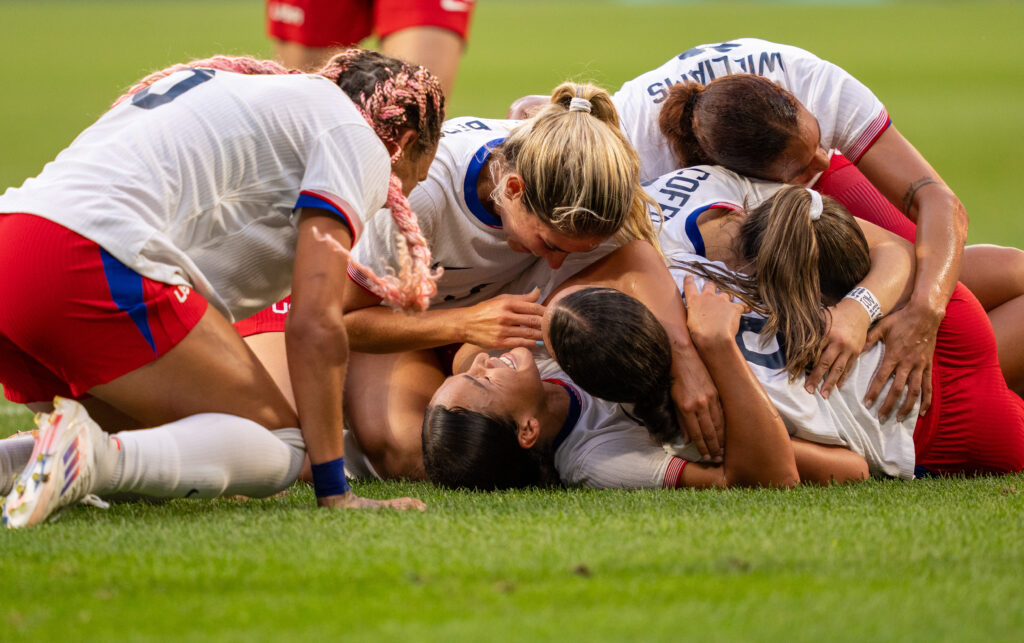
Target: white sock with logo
x=15 y=452
x=202 y=456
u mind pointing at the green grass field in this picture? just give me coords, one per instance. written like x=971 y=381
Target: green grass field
x=928 y=560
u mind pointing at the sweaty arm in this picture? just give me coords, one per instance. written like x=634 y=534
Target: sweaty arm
x=911 y=184
x=890 y=280
x=639 y=271
x=505 y=321
x=760 y=452
x=315 y=334
x=317 y=348
x=906 y=179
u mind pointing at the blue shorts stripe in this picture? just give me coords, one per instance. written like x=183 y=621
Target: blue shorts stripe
x=126 y=291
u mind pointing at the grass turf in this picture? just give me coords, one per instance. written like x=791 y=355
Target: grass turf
x=933 y=559
x=885 y=560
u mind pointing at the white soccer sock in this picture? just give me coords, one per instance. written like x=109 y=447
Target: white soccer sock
x=15 y=452
x=204 y=456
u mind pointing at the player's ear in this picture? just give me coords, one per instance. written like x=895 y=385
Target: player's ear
x=514 y=186
x=406 y=139
x=528 y=433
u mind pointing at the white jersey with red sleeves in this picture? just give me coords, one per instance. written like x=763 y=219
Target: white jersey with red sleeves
x=843 y=419
x=687 y=193
x=194 y=180
x=851 y=118
x=602 y=446
x=465 y=240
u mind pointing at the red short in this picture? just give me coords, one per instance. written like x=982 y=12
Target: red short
x=74 y=317
x=268 y=320
x=335 y=23
x=975 y=424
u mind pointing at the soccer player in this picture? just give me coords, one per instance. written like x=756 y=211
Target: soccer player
x=615 y=349
x=780 y=113
x=504 y=205
x=203 y=196
x=431 y=33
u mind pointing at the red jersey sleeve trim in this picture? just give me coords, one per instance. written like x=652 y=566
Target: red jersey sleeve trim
x=359 y=278
x=327 y=201
x=868 y=138
x=674 y=473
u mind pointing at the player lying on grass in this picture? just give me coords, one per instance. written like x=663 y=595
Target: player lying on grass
x=776 y=112
x=204 y=185
x=503 y=207
x=976 y=425
x=780 y=113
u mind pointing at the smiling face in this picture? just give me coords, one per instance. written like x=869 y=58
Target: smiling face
x=508 y=385
x=804 y=157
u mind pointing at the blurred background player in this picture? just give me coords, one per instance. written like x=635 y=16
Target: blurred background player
x=431 y=33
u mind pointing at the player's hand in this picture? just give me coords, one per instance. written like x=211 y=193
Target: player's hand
x=505 y=321
x=527 y=106
x=350 y=500
x=848 y=325
x=698 y=409
x=909 y=336
x=710 y=315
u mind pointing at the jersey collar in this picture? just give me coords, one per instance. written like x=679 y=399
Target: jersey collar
x=574 y=413
x=476 y=164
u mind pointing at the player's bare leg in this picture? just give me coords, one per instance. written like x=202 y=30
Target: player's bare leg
x=297 y=56
x=210 y=371
x=435 y=48
x=995 y=274
x=386 y=396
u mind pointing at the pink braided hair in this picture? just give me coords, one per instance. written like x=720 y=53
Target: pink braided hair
x=385 y=111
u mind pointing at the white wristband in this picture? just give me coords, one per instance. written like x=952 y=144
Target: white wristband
x=866 y=298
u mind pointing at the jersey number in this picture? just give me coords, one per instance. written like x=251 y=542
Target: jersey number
x=775 y=360
x=147 y=100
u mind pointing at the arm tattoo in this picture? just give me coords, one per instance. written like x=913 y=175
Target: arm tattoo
x=908 y=197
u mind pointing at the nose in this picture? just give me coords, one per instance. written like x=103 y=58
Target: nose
x=821 y=160
x=555 y=259
x=478 y=365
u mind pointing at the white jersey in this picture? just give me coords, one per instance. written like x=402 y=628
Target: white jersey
x=851 y=118
x=842 y=419
x=602 y=446
x=194 y=180
x=466 y=240
x=687 y=193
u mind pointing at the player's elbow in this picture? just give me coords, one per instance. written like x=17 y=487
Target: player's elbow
x=783 y=475
x=318 y=330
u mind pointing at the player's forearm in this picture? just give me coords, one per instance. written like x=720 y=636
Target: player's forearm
x=378 y=329
x=759 y=452
x=939 y=247
x=317 y=360
x=891 y=277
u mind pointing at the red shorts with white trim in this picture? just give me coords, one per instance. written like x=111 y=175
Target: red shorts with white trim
x=268 y=320
x=74 y=317
x=975 y=424
x=338 y=23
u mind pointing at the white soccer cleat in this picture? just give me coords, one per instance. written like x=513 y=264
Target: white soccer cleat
x=60 y=470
